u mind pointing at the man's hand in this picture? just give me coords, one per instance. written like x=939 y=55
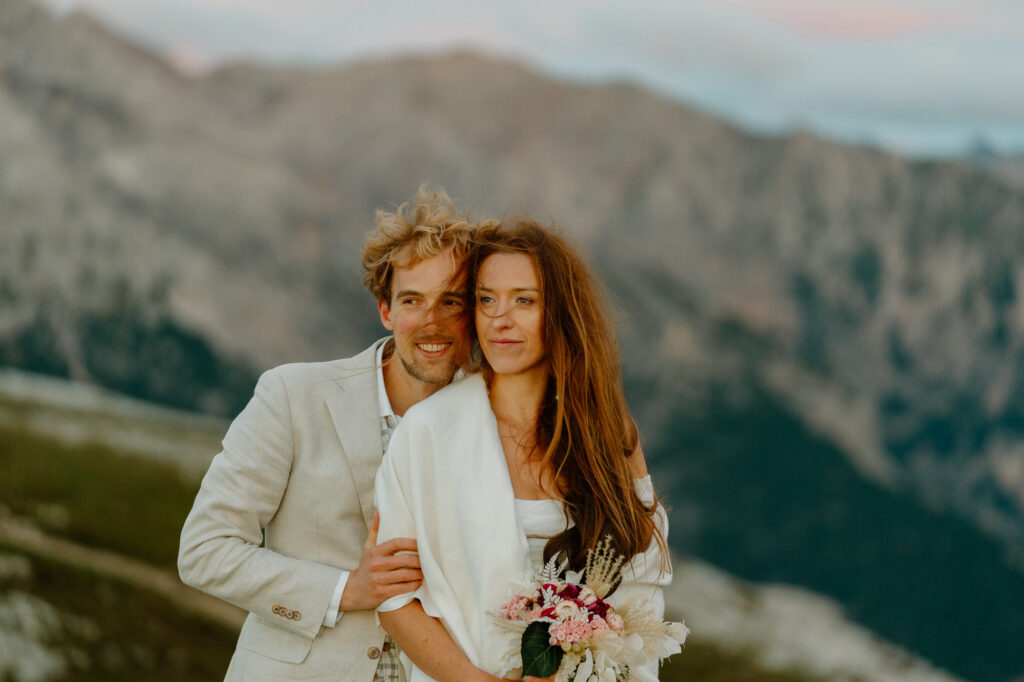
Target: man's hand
x=382 y=572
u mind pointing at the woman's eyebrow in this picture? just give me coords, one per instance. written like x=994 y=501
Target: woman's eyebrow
x=484 y=287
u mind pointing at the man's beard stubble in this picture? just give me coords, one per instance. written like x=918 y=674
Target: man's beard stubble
x=418 y=373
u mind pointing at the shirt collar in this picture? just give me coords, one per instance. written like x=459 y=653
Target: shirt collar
x=383 y=404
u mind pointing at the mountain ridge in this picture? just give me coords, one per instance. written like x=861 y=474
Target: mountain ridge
x=170 y=237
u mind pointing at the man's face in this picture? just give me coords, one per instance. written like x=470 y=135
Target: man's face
x=427 y=315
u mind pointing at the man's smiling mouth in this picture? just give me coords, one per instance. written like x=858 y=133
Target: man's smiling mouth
x=432 y=347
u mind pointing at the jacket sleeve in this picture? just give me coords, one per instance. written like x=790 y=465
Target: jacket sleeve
x=221 y=552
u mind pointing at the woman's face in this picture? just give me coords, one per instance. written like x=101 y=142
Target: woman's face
x=510 y=314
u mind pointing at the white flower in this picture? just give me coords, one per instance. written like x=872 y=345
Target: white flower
x=678 y=631
x=566 y=610
x=606 y=669
x=586 y=667
x=587 y=596
x=668 y=643
x=662 y=647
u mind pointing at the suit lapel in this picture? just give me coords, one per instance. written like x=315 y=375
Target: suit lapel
x=356 y=417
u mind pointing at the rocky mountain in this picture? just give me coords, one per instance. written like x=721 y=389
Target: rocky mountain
x=823 y=344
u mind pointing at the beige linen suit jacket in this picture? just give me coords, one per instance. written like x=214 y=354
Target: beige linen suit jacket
x=298 y=464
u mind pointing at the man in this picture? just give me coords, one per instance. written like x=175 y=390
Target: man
x=299 y=462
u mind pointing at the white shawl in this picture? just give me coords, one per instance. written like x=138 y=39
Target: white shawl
x=444 y=481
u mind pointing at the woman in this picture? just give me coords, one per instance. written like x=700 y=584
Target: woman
x=534 y=456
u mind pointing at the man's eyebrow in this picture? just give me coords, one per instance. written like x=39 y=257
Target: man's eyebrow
x=412 y=292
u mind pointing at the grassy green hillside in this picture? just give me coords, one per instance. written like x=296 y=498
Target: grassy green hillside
x=79 y=623
x=95 y=495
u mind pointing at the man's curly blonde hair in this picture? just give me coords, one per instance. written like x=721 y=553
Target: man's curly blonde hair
x=428 y=224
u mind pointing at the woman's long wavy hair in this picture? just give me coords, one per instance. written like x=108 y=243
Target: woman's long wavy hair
x=584 y=429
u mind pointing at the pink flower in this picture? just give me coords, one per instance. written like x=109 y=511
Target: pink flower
x=569 y=631
x=614 y=621
x=513 y=608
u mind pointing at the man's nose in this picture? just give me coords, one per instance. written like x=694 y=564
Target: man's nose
x=433 y=313
x=437 y=313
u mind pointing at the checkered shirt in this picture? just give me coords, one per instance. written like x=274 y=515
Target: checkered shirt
x=389 y=667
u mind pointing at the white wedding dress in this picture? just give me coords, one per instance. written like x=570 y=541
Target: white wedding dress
x=444 y=481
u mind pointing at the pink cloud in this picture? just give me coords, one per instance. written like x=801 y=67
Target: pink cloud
x=850 y=19
x=189 y=60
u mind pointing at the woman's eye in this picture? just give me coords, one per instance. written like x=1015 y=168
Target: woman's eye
x=523 y=300
x=486 y=299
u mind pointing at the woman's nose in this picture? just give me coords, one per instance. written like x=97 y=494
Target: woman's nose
x=502 y=316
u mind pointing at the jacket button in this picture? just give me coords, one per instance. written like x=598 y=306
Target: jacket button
x=373 y=652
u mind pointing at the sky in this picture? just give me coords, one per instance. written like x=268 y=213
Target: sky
x=921 y=77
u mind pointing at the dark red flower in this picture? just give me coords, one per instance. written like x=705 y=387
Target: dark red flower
x=570 y=591
x=598 y=608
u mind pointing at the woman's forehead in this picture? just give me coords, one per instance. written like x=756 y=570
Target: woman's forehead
x=508 y=270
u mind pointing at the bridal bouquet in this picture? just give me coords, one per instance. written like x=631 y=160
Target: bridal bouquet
x=567 y=626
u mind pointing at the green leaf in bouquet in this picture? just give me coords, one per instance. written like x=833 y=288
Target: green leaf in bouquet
x=540 y=659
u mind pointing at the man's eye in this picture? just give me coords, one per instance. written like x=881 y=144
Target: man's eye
x=454 y=302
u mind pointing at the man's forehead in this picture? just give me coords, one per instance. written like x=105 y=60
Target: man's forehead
x=407 y=256
x=440 y=273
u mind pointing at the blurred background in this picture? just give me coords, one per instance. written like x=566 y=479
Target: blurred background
x=810 y=217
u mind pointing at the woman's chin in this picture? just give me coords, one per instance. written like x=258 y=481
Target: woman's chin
x=511 y=368
x=506 y=369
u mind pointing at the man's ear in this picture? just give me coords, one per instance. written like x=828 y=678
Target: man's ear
x=385 y=315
